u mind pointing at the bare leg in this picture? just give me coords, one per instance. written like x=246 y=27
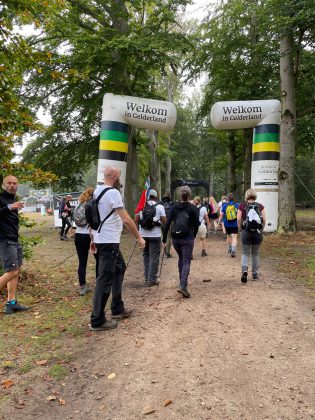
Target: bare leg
x=12 y=286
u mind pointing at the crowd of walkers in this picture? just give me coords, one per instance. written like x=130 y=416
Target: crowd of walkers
x=156 y=227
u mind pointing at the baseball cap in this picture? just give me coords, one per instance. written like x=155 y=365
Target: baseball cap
x=184 y=190
x=153 y=193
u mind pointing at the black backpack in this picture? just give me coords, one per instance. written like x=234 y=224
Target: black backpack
x=181 y=226
x=167 y=207
x=92 y=214
x=252 y=225
x=148 y=214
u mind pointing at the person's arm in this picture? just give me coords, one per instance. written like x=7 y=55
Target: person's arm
x=130 y=225
x=239 y=219
x=196 y=222
x=263 y=215
x=221 y=217
x=168 y=224
x=206 y=217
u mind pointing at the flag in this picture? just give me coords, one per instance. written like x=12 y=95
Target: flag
x=144 y=196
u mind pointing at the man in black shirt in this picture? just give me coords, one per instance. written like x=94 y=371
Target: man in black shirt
x=11 y=255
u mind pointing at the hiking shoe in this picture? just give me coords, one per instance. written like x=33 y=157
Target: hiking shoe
x=203 y=253
x=126 y=313
x=84 y=289
x=184 y=292
x=65 y=238
x=154 y=283
x=109 y=324
x=11 y=308
x=255 y=276
x=244 y=277
x=62 y=238
x=233 y=254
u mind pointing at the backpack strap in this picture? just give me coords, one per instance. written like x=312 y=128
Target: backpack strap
x=97 y=201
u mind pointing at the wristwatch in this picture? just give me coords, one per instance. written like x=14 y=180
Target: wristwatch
x=9 y=206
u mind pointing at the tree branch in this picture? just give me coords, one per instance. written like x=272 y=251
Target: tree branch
x=306 y=111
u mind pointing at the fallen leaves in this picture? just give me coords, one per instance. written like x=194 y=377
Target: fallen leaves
x=148 y=410
x=51 y=398
x=167 y=402
x=41 y=362
x=7 y=383
x=111 y=376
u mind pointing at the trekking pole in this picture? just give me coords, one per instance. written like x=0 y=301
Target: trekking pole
x=131 y=254
x=161 y=264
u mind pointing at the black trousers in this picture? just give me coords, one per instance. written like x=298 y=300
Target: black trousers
x=66 y=225
x=111 y=270
x=82 y=243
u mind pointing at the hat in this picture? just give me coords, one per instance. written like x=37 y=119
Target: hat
x=185 y=190
x=153 y=193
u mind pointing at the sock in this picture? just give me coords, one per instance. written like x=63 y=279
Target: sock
x=11 y=302
x=233 y=248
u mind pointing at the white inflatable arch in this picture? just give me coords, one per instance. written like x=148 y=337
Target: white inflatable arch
x=264 y=116
x=118 y=113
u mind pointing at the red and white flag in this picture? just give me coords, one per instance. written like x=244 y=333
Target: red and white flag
x=144 y=196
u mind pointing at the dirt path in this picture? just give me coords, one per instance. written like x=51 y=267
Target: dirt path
x=231 y=351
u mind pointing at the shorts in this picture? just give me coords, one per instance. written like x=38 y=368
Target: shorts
x=231 y=230
x=202 y=231
x=11 y=255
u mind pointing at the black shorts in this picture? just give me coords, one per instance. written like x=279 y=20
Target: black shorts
x=213 y=216
x=11 y=255
x=230 y=230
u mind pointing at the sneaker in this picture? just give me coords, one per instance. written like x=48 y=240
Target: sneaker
x=184 y=292
x=109 y=324
x=233 y=254
x=154 y=283
x=11 y=308
x=203 y=253
x=62 y=238
x=126 y=313
x=255 y=276
x=65 y=238
x=244 y=277
x=84 y=289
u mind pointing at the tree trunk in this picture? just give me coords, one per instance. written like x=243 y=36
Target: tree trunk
x=168 y=166
x=131 y=188
x=287 y=219
x=247 y=158
x=211 y=183
x=232 y=168
x=155 y=173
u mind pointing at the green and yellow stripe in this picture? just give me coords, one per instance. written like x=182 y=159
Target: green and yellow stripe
x=266 y=144
x=113 y=141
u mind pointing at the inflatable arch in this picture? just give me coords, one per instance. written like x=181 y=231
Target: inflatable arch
x=264 y=117
x=190 y=183
x=120 y=112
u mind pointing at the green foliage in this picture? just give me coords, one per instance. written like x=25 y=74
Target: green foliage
x=95 y=48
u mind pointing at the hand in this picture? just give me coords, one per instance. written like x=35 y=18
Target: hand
x=93 y=248
x=17 y=205
x=141 y=242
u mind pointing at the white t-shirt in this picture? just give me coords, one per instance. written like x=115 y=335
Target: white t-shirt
x=202 y=213
x=112 y=228
x=156 y=231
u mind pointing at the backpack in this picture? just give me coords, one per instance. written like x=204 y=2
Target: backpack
x=181 y=226
x=167 y=207
x=148 y=214
x=92 y=214
x=253 y=217
x=78 y=215
x=231 y=213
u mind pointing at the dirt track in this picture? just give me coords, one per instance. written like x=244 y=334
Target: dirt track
x=231 y=351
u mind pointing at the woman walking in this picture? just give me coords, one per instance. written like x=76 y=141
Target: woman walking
x=251 y=219
x=185 y=219
x=82 y=239
x=65 y=211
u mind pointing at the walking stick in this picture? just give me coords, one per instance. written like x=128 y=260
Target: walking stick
x=131 y=254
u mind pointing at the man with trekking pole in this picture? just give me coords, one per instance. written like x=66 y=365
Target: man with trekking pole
x=150 y=220
x=105 y=241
